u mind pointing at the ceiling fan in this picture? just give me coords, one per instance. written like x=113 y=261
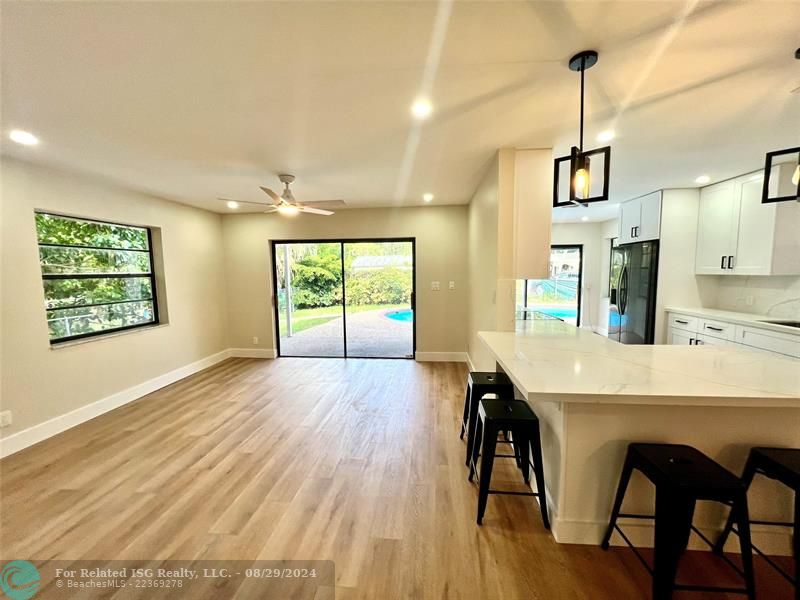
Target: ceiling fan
x=285 y=203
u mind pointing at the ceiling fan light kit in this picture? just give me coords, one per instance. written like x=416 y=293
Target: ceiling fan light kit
x=585 y=166
x=782 y=172
x=285 y=203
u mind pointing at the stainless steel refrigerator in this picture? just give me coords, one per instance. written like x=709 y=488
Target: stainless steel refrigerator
x=634 y=270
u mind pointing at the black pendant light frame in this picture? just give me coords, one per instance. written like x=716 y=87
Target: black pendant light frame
x=765 y=197
x=578 y=158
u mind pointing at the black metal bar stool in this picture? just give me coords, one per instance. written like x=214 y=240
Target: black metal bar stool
x=782 y=464
x=682 y=475
x=480 y=383
x=516 y=417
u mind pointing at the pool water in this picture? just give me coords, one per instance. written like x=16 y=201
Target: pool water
x=406 y=315
x=560 y=313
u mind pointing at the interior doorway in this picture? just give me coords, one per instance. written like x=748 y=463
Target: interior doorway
x=350 y=298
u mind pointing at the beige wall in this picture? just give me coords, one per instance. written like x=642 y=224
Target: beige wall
x=39 y=383
x=482 y=257
x=441 y=251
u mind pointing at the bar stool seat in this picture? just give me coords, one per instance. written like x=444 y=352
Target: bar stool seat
x=516 y=417
x=479 y=384
x=783 y=465
x=681 y=475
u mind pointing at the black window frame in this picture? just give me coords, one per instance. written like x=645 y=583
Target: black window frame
x=56 y=276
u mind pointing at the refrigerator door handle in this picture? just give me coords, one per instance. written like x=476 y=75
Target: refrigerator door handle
x=623 y=290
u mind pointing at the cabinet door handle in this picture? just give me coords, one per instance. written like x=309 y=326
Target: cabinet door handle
x=632 y=232
x=636 y=229
x=722 y=265
x=681 y=322
x=699 y=343
x=714 y=328
x=730 y=262
x=691 y=341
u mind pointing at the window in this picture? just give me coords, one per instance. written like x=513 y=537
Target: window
x=98 y=277
x=558 y=296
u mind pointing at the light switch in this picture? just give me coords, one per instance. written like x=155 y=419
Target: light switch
x=435 y=286
x=452 y=285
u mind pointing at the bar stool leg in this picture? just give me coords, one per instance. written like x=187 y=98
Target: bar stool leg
x=472 y=418
x=464 y=420
x=669 y=524
x=475 y=448
x=747 y=477
x=743 y=525
x=535 y=444
x=625 y=477
x=487 y=462
x=522 y=452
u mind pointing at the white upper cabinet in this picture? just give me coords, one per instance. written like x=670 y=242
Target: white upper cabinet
x=716 y=228
x=640 y=219
x=738 y=235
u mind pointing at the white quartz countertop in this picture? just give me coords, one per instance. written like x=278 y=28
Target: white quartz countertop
x=737 y=317
x=557 y=362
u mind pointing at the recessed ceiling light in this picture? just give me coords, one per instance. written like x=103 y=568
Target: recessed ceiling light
x=422 y=108
x=605 y=136
x=427 y=197
x=23 y=137
x=233 y=204
x=702 y=179
x=584 y=218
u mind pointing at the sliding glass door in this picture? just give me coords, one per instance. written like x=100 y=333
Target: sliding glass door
x=344 y=298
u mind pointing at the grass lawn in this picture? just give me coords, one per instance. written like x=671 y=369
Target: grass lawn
x=306 y=318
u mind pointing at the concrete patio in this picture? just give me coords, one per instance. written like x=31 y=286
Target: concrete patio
x=369 y=334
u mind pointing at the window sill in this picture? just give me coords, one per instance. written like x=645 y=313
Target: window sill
x=106 y=336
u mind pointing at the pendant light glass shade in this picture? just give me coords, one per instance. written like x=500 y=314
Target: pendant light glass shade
x=586 y=179
x=782 y=176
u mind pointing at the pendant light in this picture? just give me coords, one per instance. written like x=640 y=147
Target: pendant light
x=588 y=169
x=782 y=173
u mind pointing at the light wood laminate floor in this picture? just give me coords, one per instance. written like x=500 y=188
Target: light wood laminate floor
x=356 y=461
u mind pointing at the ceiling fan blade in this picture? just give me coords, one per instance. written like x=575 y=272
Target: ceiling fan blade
x=270 y=210
x=244 y=202
x=275 y=198
x=314 y=211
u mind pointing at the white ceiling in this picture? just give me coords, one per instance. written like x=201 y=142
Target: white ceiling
x=193 y=100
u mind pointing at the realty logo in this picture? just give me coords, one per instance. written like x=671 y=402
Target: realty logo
x=19 y=580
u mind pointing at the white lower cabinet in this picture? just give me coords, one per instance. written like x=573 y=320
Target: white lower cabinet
x=687 y=330
x=680 y=337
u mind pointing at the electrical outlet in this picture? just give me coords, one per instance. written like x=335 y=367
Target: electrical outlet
x=749 y=300
x=435 y=286
x=255 y=341
x=452 y=285
x=5 y=418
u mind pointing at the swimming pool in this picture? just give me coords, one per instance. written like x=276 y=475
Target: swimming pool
x=405 y=315
x=567 y=312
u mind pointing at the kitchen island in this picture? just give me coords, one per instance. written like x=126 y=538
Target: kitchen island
x=593 y=396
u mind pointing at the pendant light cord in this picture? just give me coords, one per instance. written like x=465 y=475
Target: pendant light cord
x=583 y=70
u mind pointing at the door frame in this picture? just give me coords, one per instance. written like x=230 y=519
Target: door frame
x=342 y=242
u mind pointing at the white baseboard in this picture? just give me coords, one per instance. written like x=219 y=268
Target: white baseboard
x=440 y=356
x=42 y=431
x=776 y=541
x=253 y=352
x=470 y=364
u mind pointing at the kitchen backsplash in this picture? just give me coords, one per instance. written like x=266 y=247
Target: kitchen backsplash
x=777 y=297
